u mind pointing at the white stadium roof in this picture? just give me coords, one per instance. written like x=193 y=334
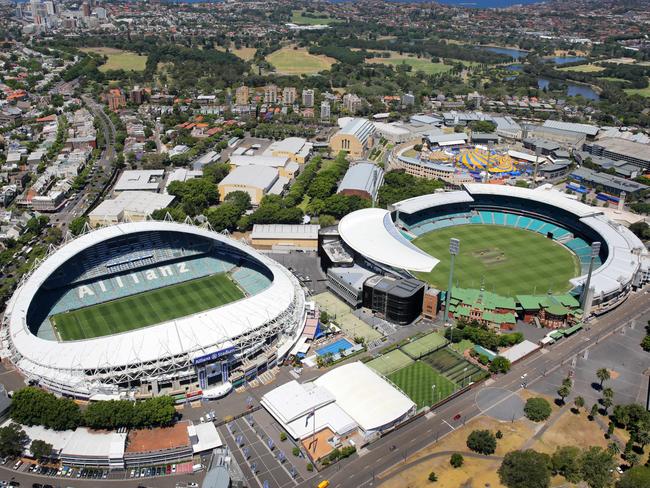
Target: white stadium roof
x=372 y=233
x=415 y=204
x=194 y=335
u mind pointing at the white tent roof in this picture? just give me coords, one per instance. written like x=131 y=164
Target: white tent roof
x=371 y=232
x=519 y=351
x=365 y=396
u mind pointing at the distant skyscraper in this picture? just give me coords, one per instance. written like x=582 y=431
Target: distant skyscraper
x=325 y=110
x=308 y=98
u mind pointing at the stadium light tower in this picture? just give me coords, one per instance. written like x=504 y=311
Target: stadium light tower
x=595 y=251
x=454 y=247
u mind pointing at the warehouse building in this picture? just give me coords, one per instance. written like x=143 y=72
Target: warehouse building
x=296 y=149
x=609 y=183
x=362 y=179
x=285 y=236
x=286 y=167
x=590 y=131
x=255 y=180
x=139 y=180
x=129 y=206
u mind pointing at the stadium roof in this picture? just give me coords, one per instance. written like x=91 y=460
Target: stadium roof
x=541 y=194
x=372 y=233
x=623 y=259
x=590 y=130
x=415 y=204
x=195 y=335
x=365 y=396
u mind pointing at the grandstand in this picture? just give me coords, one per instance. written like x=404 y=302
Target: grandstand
x=622 y=264
x=152 y=306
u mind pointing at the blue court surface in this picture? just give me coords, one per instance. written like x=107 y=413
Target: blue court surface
x=335 y=347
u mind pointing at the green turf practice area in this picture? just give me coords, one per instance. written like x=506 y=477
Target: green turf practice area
x=147 y=308
x=417 y=380
x=424 y=345
x=505 y=260
x=390 y=362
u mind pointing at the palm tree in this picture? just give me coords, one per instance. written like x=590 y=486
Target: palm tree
x=579 y=402
x=603 y=375
x=613 y=448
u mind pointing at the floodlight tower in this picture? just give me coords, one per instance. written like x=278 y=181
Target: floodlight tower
x=595 y=251
x=454 y=248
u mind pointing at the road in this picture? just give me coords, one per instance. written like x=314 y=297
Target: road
x=102 y=169
x=362 y=470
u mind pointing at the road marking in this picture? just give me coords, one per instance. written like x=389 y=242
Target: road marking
x=452 y=427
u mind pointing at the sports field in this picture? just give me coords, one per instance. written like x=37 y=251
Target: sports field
x=424 y=345
x=147 y=308
x=418 y=64
x=506 y=260
x=417 y=380
x=290 y=61
x=390 y=362
x=119 y=59
x=298 y=17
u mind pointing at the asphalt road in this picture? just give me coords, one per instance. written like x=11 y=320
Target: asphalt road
x=363 y=470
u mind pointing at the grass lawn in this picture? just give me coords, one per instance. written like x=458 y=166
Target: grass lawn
x=584 y=68
x=508 y=261
x=298 y=17
x=245 y=53
x=418 y=64
x=462 y=346
x=417 y=380
x=290 y=61
x=644 y=92
x=147 y=308
x=118 y=59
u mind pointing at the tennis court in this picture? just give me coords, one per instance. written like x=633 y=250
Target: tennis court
x=424 y=345
x=390 y=362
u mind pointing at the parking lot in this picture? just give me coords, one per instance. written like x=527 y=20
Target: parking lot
x=620 y=354
x=265 y=460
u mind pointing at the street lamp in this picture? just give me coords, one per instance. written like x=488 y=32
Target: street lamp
x=433 y=392
x=454 y=248
x=595 y=251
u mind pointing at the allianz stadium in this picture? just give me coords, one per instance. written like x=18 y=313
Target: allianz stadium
x=382 y=239
x=123 y=309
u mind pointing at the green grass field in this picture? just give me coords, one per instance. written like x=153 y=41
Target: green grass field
x=508 y=261
x=417 y=380
x=147 y=308
x=119 y=59
x=424 y=345
x=290 y=61
x=584 y=68
x=644 y=92
x=418 y=64
x=390 y=362
x=298 y=17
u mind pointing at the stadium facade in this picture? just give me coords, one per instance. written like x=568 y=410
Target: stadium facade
x=380 y=240
x=206 y=347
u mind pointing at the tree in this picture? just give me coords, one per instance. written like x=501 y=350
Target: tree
x=564 y=390
x=33 y=406
x=566 y=462
x=40 y=449
x=500 y=365
x=482 y=441
x=456 y=460
x=12 y=440
x=645 y=343
x=579 y=402
x=637 y=477
x=594 y=410
x=537 y=409
x=608 y=398
x=597 y=466
x=525 y=469
x=432 y=477
x=603 y=375
x=77 y=225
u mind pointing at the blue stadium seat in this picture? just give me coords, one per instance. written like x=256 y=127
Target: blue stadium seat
x=511 y=220
x=499 y=218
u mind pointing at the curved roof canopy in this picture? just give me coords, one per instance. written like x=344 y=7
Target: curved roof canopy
x=372 y=233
